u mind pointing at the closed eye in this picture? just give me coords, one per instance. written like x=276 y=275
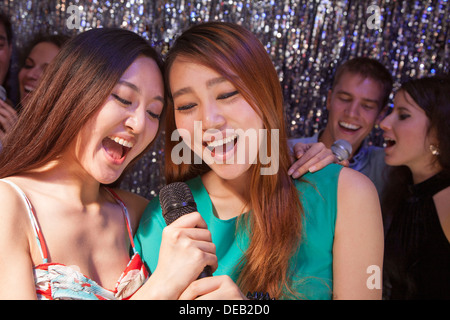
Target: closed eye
x=185 y=107
x=28 y=64
x=402 y=113
x=368 y=107
x=121 y=100
x=403 y=116
x=227 y=95
x=154 y=115
x=345 y=98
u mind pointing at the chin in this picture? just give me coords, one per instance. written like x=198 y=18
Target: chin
x=107 y=178
x=107 y=181
x=231 y=171
x=390 y=161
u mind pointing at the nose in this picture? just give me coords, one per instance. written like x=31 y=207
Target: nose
x=34 y=74
x=352 y=109
x=385 y=124
x=136 y=120
x=212 y=117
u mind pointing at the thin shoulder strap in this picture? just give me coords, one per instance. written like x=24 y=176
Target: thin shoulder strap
x=126 y=215
x=32 y=215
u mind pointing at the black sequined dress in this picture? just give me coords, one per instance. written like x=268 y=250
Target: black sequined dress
x=417 y=252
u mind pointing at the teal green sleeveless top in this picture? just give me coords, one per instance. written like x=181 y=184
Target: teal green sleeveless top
x=312 y=264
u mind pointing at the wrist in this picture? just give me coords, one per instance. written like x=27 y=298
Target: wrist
x=159 y=288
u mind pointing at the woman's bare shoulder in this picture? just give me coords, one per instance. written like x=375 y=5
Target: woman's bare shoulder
x=353 y=180
x=358 y=199
x=15 y=222
x=12 y=201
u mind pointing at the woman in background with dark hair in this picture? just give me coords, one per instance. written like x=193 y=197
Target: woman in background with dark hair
x=8 y=115
x=35 y=59
x=416 y=207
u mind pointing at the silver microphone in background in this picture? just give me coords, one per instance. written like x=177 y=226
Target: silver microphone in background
x=2 y=93
x=342 y=149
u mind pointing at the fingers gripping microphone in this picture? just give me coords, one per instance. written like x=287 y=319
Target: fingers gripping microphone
x=176 y=200
x=342 y=149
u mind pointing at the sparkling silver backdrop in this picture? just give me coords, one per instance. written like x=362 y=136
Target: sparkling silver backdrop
x=306 y=40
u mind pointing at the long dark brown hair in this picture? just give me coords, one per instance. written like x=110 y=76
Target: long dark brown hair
x=432 y=94
x=73 y=87
x=276 y=211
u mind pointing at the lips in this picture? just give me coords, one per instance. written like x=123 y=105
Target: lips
x=223 y=146
x=117 y=148
x=389 y=142
x=28 y=88
x=349 y=126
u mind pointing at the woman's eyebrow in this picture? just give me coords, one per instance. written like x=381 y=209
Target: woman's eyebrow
x=181 y=92
x=130 y=85
x=135 y=88
x=209 y=84
x=215 y=81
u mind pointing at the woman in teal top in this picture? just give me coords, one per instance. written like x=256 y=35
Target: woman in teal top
x=314 y=259
x=315 y=238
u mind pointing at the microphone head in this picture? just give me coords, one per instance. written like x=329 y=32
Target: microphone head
x=342 y=149
x=176 y=200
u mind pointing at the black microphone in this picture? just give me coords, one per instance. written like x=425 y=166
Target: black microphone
x=176 y=200
x=342 y=149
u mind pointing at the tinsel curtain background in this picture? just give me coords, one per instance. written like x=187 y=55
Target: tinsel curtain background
x=307 y=40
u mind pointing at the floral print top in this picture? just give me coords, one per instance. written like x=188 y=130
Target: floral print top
x=58 y=281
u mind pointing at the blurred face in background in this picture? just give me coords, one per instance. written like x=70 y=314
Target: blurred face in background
x=5 y=54
x=353 y=108
x=407 y=136
x=35 y=64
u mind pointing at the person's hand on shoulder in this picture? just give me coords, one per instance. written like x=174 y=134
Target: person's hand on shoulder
x=311 y=157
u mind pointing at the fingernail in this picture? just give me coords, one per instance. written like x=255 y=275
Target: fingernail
x=313 y=169
x=290 y=171
x=296 y=175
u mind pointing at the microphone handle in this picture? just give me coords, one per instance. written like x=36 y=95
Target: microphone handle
x=179 y=206
x=205 y=273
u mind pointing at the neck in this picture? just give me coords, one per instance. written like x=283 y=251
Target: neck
x=424 y=168
x=421 y=174
x=230 y=198
x=63 y=180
